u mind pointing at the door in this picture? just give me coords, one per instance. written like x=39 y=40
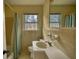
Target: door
x=4 y=41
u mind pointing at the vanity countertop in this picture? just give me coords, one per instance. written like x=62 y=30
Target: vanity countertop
x=35 y=48
x=55 y=53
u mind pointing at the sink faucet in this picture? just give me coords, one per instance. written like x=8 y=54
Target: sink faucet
x=50 y=44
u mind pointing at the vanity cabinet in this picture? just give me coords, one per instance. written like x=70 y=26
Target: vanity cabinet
x=40 y=55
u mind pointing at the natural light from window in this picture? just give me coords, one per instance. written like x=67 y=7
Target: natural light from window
x=54 y=20
x=30 y=21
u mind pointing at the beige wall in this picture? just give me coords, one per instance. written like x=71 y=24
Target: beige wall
x=8 y=24
x=68 y=41
x=46 y=18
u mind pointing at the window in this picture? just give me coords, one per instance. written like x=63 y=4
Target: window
x=54 y=20
x=30 y=21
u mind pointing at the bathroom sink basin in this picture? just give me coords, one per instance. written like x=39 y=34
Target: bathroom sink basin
x=41 y=45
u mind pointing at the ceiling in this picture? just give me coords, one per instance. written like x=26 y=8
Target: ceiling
x=40 y=2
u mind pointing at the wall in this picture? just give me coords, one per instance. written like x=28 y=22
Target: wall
x=8 y=25
x=46 y=18
x=68 y=41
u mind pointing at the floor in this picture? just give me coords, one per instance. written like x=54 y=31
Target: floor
x=24 y=55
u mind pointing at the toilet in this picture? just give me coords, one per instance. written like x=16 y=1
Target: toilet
x=30 y=49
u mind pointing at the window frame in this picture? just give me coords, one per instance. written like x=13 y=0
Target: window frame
x=55 y=22
x=30 y=22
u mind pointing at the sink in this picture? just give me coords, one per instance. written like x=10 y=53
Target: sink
x=41 y=45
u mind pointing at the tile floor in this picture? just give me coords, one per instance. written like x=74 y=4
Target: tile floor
x=24 y=55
